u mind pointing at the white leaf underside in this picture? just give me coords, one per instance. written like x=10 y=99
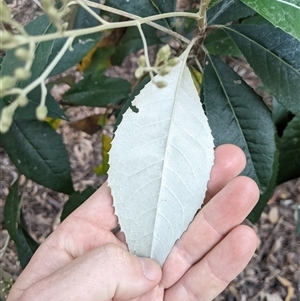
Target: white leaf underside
x=160 y=164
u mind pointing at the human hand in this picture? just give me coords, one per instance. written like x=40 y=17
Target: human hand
x=83 y=260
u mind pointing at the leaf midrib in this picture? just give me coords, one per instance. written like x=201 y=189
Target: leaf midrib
x=175 y=102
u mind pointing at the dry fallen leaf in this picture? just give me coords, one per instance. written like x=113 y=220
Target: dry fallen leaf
x=273 y=297
x=273 y=215
x=288 y=284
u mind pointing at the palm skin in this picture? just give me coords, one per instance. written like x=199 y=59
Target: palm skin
x=83 y=260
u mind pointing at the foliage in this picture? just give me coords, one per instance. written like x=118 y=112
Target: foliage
x=92 y=37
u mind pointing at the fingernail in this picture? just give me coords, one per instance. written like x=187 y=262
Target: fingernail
x=150 y=269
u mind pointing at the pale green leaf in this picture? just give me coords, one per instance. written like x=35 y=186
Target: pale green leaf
x=160 y=162
x=284 y=14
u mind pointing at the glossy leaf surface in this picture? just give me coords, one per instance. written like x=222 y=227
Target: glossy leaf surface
x=145 y=8
x=80 y=47
x=219 y=43
x=238 y=115
x=131 y=42
x=274 y=56
x=228 y=10
x=39 y=153
x=12 y=212
x=27 y=247
x=98 y=90
x=284 y=14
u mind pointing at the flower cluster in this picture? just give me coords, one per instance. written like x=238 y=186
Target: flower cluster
x=22 y=45
x=24 y=54
x=162 y=66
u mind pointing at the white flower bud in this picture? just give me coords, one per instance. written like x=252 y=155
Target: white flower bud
x=23 y=54
x=141 y=61
x=6 y=83
x=22 y=100
x=41 y=112
x=6 y=120
x=4 y=126
x=22 y=74
x=139 y=72
x=53 y=15
x=163 y=53
x=160 y=84
x=5 y=37
x=165 y=71
x=173 y=62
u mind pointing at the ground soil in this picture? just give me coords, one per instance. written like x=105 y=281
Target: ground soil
x=273 y=273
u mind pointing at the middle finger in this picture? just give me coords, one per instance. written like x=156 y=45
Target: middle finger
x=224 y=212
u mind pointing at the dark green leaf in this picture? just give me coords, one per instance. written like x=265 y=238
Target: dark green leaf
x=12 y=212
x=144 y=8
x=289 y=147
x=284 y=14
x=28 y=112
x=80 y=47
x=213 y=3
x=27 y=248
x=274 y=56
x=255 y=20
x=265 y=196
x=238 y=115
x=131 y=42
x=39 y=153
x=101 y=60
x=281 y=116
x=187 y=27
x=40 y=26
x=83 y=19
x=75 y=200
x=219 y=43
x=227 y=11
x=98 y=90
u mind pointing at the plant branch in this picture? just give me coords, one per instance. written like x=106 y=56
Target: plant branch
x=202 y=22
x=80 y=32
x=46 y=72
x=3 y=249
x=91 y=12
x=145 y=50
x=135 y=17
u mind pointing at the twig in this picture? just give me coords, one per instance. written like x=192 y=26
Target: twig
x=2 y=251
x=267 y=243
x=134 y=17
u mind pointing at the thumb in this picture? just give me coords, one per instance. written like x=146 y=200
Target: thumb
x=102 y=274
